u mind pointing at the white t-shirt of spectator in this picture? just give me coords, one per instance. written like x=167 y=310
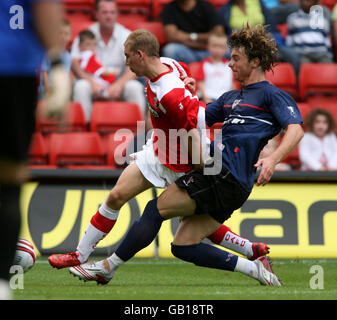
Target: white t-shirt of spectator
x=111 y=55
x=217 y=77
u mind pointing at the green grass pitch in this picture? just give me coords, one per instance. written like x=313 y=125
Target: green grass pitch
x=172 y=279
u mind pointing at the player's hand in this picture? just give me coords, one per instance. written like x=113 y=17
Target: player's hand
x=57 y=98
x=190 y=84
x=267 y=169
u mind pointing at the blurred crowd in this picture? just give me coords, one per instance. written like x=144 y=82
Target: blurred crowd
x=196 y=32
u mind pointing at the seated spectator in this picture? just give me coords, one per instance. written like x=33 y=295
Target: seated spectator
x=309 y=32
x=214 y=76
x=110 y=37
x=235 y=14
x=65 y=37
x=89 y=63
x=187 y=26
x=318 y=148
x=281 y=9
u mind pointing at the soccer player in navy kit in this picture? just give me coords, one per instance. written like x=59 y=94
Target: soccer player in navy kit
x=26 y=29
x=251 y=117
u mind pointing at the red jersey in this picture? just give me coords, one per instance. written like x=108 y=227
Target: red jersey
x=172 y=106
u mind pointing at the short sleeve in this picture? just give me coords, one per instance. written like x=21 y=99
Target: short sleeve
x=284 y=108
x=181 y=109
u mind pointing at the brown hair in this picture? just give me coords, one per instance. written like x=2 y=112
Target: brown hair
x=257 y=44
x=143 y=40
x=86 y=34
x=310 y=119
x=98 y=1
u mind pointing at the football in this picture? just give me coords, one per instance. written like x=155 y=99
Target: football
x=25 y=255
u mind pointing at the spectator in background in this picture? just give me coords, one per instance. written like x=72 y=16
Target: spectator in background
x=110 y=37
x=65 y=37
x=309 y=31
x=90 y=64
x=187 y=26
x=281 y=9
x=318 y=148
x=235 y=15
x=334 y=23
x=214 y=76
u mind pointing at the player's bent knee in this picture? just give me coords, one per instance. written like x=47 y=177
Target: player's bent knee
x=116 y=199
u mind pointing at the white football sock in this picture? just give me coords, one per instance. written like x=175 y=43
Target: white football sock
x=115 y=262
x=93 y=235
x=246 y=267
x=236 y=243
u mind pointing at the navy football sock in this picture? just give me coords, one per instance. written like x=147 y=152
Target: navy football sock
x=205 y=255
x=142 y=232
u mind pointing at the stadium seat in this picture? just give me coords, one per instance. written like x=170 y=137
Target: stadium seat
x=108 y=117
x=156 y=27
x=140 y=7
x=117 y=144
x=78 y=22
x=157 y=7
x=78 y=5
x=283 y=76
x=329 y=3
x=317 y=79
x=194 y=68
x=293 y=159
x=74 y=120
x=37 y=154
x=218 y=3
x=283 y=29
x=305 y=108
x=76 y=149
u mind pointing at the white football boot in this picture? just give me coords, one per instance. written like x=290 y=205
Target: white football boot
x=266 y=275
x=93 y=271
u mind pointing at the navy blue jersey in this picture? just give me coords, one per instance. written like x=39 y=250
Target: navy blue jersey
x=21 y=51
x=250 y=117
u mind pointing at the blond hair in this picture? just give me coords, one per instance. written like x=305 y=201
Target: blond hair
x=143 y=40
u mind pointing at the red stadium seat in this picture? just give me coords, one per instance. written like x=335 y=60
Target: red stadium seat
x=283 y=29
x=117 y=144
x=156 y=27
x=329 y=3
x=283 y=76
x=108 y=117
x=218 y=3
x=78 y=22
x=317 y=79
x=37 y=154
x=293 y=159
x=74 y=120
x=141 y=7
x=76 y=149
x=78 y=5
x=194 y=68
x=305 y=108
x=157 y=7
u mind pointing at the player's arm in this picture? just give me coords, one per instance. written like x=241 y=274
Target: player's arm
x=48 y=21
x=293 y=135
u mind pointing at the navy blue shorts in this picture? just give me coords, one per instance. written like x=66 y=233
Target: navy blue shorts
x=217 y=195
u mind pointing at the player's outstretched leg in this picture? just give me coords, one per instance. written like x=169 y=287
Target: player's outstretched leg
x=139 y=236
x=226 y=238
x=105 y=218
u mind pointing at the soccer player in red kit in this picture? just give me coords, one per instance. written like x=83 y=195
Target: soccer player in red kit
x=163 y=160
